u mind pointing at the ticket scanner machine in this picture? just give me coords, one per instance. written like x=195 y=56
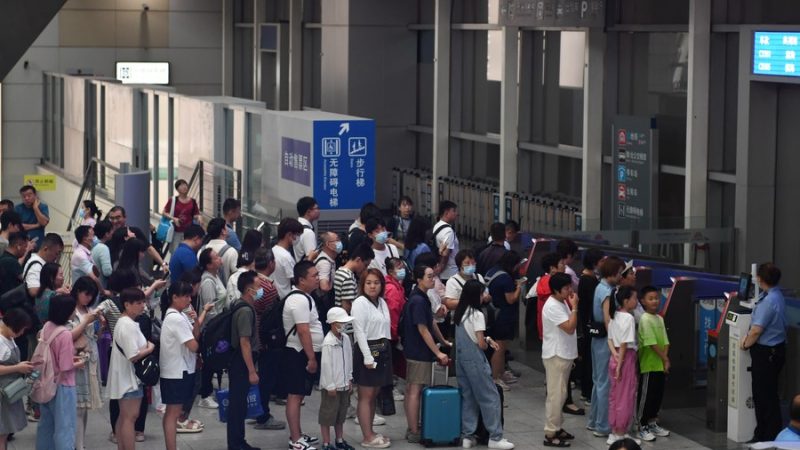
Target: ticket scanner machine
x=741 y=412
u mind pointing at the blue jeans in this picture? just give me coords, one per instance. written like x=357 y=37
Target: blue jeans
x=478 y=391
x=56 y=430
x=598 y=415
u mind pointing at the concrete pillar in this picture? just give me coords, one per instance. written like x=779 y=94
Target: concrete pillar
x=509 y=115
x=441 y=97
x=593 y=133
x=295 y=54
x=696 y=179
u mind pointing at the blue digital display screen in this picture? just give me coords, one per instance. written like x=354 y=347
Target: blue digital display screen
x=776 y=53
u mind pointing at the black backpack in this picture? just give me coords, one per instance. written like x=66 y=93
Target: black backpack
x=216 y=347
x=273 y=335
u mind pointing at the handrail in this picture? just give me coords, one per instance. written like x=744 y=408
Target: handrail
x=88 y=184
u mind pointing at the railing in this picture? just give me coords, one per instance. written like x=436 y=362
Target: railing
x=96 y=178
x=211 y=183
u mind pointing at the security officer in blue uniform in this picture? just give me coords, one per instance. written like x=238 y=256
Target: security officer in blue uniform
x=766 y=341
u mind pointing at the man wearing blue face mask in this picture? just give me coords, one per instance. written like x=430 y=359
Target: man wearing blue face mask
x=376 y=230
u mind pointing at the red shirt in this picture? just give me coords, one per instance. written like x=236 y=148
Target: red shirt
x=542 y=294
x=395 y=299
x=185 y=212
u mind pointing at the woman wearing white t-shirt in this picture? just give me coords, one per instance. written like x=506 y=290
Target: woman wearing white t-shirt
x=478 y=391
x=178 y=357
x=129 y=347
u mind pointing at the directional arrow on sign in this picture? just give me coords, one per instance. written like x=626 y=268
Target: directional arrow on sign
x=344 y=128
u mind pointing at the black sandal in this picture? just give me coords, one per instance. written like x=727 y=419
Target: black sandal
x=555 y=441
x=575 y=412
x=564 y=436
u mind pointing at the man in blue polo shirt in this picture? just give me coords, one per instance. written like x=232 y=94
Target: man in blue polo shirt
x=185 y=256
x=35 y=214
x=766 y=341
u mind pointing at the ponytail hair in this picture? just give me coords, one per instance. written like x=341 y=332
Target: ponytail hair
x=619 y=295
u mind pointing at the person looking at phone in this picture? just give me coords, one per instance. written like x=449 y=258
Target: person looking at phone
x=35 y=213
x=376 y=230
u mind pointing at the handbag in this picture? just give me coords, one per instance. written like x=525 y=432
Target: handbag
x=147 y=369
x=16 y=390
x=596 y=329
x=166 y=229
x=380 y=350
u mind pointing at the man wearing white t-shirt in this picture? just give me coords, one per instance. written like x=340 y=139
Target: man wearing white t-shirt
x=306 y=245
x=446 y=240
x=288 y=231
x=559 y=350
x=376 y=230
x=303 y=346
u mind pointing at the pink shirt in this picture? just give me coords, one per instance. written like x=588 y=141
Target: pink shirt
x=61 y=350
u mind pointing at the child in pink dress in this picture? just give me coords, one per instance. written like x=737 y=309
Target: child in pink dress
x=622 y=366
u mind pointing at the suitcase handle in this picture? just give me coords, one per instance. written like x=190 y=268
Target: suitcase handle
x=433 y=373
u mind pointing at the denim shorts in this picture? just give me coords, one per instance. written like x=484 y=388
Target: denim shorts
x=138 y=393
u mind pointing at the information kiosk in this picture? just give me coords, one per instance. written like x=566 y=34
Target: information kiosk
x=741 y=412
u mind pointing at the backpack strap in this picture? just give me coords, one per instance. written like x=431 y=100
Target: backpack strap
x=438 y=230
x=25 y=274
x=293 y=330
x=224 y=249
x=494 y=275
x=391 y=253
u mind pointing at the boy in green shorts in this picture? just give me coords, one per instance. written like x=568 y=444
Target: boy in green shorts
x=653 y=364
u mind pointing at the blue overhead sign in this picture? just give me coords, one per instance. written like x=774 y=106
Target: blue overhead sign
x=776 y=53
x=344 y=163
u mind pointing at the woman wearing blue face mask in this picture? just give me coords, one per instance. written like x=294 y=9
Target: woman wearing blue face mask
x=465 y=260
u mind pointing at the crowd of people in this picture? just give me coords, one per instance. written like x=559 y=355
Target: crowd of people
x=349 y=314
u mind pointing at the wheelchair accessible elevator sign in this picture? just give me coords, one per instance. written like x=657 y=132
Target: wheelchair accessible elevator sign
x=344 y=163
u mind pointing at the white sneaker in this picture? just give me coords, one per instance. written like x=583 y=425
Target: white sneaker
x=376 y=421
x=501 y=444
x=398 y=396
x=628 y=436
x=613 y=438
x=502 y=384
x=208 y=402
x=658 y=430
x=468 y=442
x=645 y=435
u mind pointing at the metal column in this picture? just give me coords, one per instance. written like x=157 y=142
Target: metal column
x=441 y=98
x=593 y=134
x=509 y=116
x=696 y=180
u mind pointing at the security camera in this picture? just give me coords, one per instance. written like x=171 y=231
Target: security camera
x=145 y=7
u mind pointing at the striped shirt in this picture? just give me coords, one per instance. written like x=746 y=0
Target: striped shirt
x=110 y=311
x=344 y=286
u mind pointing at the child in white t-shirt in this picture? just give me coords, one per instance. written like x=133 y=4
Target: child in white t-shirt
x=622 y=366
